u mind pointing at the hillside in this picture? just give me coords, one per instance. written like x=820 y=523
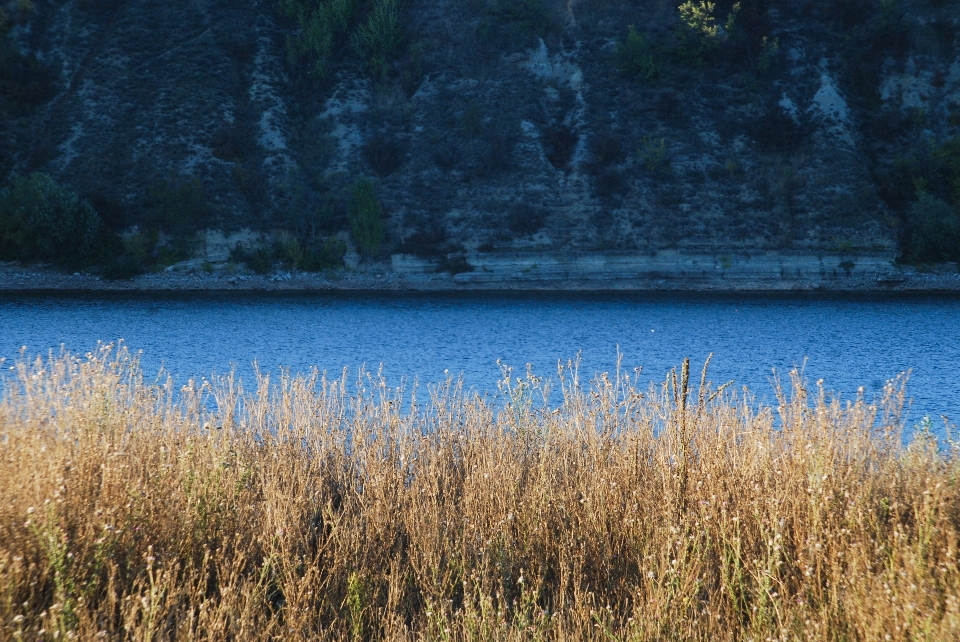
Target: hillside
x=444 y=129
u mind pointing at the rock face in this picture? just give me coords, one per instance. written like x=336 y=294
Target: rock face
x=494 y=135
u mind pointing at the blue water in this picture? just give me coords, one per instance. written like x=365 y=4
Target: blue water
x=847 y=342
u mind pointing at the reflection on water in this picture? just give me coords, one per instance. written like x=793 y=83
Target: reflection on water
x=848 y=343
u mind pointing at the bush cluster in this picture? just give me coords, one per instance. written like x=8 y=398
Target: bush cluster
x=294 y=254
x=776 y=131
x=653 y=154
x=559 y=144
x=378 y=40
x=699 y=38
x=477 y=143
x=934 y=233
x=698 y=32
x=606 y=152
x=384 y=153
x=42 y=221
x=925 y=187
x=179 y=207
x=25 y=81
x=327 y=29
x=174 y=210
x=520 y=17
x=317 y=256
x=637 y=57
x=526 y=219
x=366 y=218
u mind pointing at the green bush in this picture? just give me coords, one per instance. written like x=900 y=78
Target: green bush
x=934 y=231
x=332 y=252
x=378 y=41
x=179 y=207
x=523 y=15
x=26 y=82
x=948 y=158
x=42 y=221
x=653 y=154
x=366 y=220
x=315 y=257
x=932 y=221
x=326 y=27
x=769 y=48
x=308 y=257
x=124 y=267
x=261 y=260
x=637 y=57
x=698 y=33
x=455 y=264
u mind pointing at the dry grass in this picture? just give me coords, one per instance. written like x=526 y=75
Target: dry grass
x=314 y=509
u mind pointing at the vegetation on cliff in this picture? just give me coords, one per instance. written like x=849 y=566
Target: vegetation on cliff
x=821 y=126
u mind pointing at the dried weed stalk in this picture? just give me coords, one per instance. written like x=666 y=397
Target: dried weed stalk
x=313 y=509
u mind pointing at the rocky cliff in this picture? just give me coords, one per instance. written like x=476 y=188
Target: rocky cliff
x=491 y=127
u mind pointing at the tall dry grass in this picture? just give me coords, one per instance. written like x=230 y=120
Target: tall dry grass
x=313 y=508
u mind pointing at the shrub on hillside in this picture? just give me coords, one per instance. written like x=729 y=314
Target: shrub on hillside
x=742 y=40
x=261 y=260
x=609 y=182
x=315 y=257
x=324 y=27
x=455 y=264
x=179 y=207
x=125 y=267
x=99 y=7
x=697 y=31
x=366 y=220
x=653 y=154
x=526 y=220
x=492 y=153
x=233 y=142
x=925 y=188
x=42 y=221
x=328 y=28
x=384 y=153
x=331 y=253
x=25 y=82
x=524 y=16
x=776 y=131
x=380 y=38
x=670 y=108
x=428 y=240
x=637 y=58
x=934 y=231
x=948 y=158
x=605 y=150
x=447 y=153
x=559 y=143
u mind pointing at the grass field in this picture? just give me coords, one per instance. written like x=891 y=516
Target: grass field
x=316 y=508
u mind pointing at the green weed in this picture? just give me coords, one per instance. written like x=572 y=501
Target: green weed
x=637 y=57
x=366 y=218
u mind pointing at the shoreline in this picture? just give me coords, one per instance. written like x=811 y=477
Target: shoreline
x=191 y=277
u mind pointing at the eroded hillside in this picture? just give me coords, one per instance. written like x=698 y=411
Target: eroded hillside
x=498 y=125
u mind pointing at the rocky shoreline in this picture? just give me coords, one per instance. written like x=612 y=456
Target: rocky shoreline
x=544 y=273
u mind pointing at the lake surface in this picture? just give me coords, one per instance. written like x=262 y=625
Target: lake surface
x=848 y=342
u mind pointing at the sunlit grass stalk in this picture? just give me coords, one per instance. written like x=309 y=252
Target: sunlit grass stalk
x=319 y=508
